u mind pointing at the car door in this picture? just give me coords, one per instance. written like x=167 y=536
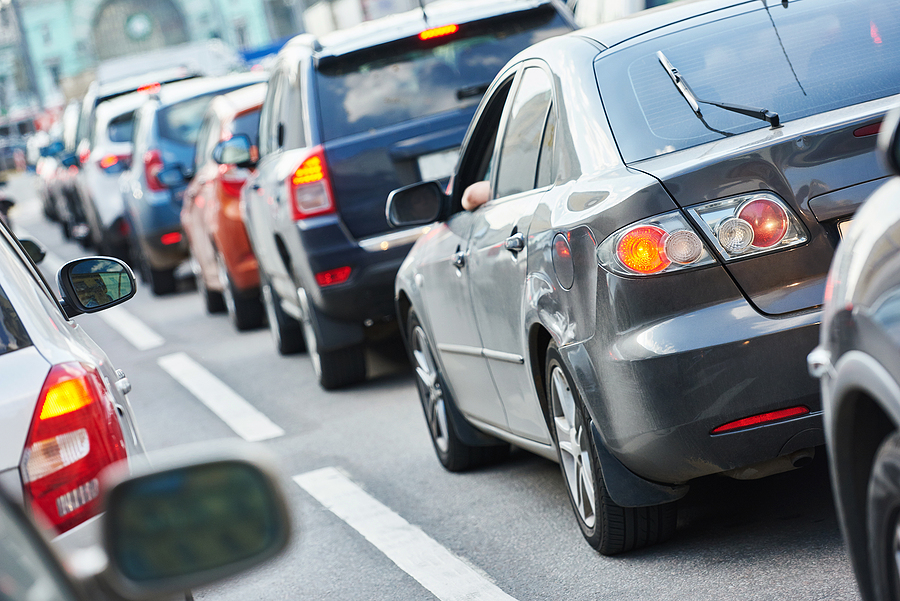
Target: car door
x=200 y=193
x=498 y=250
x=445 y=278
x=261 y=190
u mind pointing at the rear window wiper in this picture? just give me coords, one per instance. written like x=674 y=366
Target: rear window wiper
x=681 y=84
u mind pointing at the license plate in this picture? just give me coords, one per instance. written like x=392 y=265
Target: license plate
x=438 y=165
x=842 y=227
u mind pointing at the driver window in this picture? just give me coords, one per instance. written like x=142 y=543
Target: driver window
x=517 y=163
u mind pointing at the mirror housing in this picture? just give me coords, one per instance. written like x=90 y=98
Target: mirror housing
x=52 y=149
x=417 y=204
x=237 y=151
x=889 y=140
x=33 y=249
x=92 y=284
x=190 y=522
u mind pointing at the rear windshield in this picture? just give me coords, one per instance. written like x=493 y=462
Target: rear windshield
x=12 y=333
x=809 y=57
x=181 y=122
x=411 y=79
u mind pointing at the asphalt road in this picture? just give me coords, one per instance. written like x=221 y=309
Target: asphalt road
x=396 y=525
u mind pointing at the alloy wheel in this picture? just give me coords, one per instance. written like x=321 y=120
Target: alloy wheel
x=430 y=388
x=572 y=436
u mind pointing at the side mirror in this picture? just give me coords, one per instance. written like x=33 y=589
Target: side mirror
x=33 y=249
x=70 y=160
x=889 y=140
x=417 y=204
x=92 y=284
x=190 y=524
x=172 y=176
x=52 y=149
x=234 y=151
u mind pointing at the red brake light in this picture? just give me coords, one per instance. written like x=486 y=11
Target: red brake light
x=74 y=435
x=153 y=164
x=643 y=249
x=170 y=238
x=768 y=220
x=310 y=188
x=113 y=160
x=84 y=155
x=762 y=418
x=333 y=276
x=438 y=32
x=150 y=88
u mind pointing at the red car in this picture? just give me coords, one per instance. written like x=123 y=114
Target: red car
x=223 y=261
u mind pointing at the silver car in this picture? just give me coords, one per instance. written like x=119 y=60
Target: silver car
x=63 y=406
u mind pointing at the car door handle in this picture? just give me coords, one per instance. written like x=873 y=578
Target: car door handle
x=459 y=259
x=515 y=243
x=254 y=187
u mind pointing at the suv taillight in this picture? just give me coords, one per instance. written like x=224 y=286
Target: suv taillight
x=74 y=434
x=153 y=163
x=310 y=188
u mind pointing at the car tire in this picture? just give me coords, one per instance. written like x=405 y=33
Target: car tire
x=245 y=311
x=609 y=528
x=883 y=520
x=336 y=368
x=454 y=453
x=286 y=331
x=213 y=301
x=162 y=281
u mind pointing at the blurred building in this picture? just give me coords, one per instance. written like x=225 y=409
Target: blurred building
x=68 y=38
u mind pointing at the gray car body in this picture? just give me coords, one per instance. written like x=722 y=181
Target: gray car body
x=660 y=361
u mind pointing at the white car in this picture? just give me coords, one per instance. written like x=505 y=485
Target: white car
x=97 y=180
x=64 y=414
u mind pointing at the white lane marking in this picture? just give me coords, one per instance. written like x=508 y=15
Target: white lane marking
x=414 y=552
x=131 y=328
x=242 y=417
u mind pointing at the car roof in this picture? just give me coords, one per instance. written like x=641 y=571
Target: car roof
x=241 y=100
x=410 y=23
x=648 y=21
x=119 y=105
x=182 y=90
x=129 y=84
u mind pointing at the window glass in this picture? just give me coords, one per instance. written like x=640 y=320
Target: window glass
x=119 y=128
x=546 y=174
x=412 y=79
x=181 y=122
x=269 y=115
x=807 y=58
x=517 y=165
x=247 y=124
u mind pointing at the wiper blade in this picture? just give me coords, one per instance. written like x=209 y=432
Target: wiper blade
x=681 y=84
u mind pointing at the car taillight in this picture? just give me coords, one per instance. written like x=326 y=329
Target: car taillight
x=114 y=163
x=231 y=180
x=74 y=435
x=749 y=224
x=310 y=188
x=153 y=164
x=333 y=276
x=84 y=155
x=659 y=245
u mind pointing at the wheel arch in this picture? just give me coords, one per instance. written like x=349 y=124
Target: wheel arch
x=865 y=409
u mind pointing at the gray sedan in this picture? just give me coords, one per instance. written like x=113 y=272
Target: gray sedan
x=638 y=294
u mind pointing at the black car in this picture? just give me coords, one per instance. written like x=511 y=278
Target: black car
x=858 y=362
x=347 y=118
x=638 y=294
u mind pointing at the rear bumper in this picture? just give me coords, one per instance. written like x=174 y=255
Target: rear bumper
x=368 y=294
x=656 y=405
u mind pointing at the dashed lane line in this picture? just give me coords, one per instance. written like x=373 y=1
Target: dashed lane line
x=242 y=417
x=447 y=576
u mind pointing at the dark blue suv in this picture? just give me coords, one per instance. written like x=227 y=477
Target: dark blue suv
x=349 y=117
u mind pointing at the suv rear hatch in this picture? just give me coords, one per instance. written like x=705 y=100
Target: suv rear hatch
x=396 y=113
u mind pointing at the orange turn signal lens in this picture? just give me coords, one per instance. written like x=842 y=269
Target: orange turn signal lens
x=643 y=249
x=311 y=170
